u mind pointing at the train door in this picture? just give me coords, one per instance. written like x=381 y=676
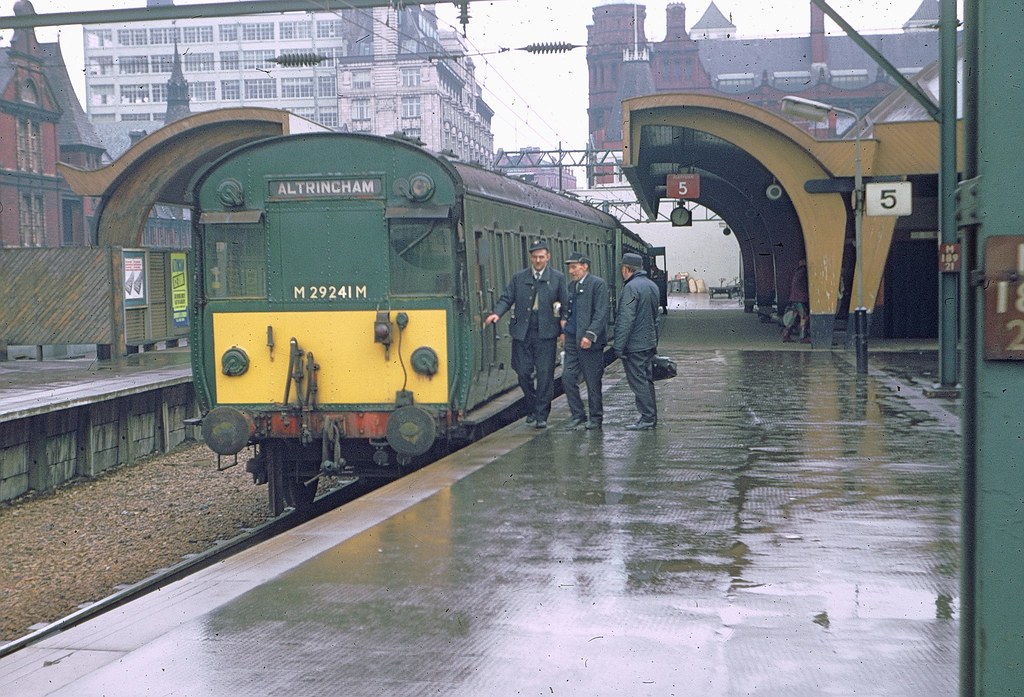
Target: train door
x=328 y=253
x=488 y=368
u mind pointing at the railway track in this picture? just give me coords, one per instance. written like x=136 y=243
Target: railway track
x=195 y=562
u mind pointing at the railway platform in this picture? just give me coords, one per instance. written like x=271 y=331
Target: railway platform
x=30 y=387
x=790 y=528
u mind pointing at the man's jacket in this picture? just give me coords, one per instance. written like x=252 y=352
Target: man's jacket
x=636 y=322
x=519 y=294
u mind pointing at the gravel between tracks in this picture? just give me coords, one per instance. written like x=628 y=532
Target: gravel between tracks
x=79 y=543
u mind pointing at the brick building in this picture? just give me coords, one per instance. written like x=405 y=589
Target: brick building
x=41 y=122
x=708 y=58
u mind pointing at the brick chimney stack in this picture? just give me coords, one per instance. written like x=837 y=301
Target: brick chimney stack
x=817 y=35
x=675 y=21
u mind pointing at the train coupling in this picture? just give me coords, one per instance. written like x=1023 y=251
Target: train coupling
x=257 y=467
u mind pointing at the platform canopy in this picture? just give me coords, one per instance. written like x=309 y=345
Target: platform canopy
x=158 y=168
x=784 y=194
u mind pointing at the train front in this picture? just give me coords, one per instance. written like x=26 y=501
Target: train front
x=325 y=292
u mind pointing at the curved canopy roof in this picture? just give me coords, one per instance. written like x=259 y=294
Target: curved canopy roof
x=159 y=168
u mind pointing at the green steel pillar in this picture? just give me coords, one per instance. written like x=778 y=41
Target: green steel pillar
x=990 y=210
x=949 y=277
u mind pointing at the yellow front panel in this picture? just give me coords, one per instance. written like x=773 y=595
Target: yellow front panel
x=353 y=369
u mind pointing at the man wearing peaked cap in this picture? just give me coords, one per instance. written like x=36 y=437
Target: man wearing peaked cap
x=586 y=333
x=537 y=294
x=636 y=337
x=634 y=260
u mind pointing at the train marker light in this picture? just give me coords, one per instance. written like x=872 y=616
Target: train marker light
x=421 y=187
x=382 y=331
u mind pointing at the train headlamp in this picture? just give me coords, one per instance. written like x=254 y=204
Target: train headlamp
x=234 y=362
x=421 y=187
x=424 y=361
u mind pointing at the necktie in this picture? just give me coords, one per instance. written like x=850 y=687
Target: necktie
x=536 y=278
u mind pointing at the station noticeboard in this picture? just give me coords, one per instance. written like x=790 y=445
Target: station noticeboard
x=179 y=289
x=1004 y=298
x=682 y=186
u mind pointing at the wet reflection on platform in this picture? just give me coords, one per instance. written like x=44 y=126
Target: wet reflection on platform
x=787 y=530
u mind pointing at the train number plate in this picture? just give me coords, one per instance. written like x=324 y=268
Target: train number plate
x=328 y=293
x=1004 y=298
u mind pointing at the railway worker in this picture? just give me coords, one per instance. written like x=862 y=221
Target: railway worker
x=538 y=295
x=799 y=299
x=586 y=333
x=636 y=337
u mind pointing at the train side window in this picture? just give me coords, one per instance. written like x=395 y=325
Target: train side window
x=421 y=256
x=235 y=261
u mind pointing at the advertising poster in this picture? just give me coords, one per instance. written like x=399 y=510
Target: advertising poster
x=134 y=279
x=179 y=289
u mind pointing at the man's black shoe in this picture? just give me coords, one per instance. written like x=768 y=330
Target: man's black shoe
x=541 y=423
x=641 y=426
x=593 y=425
x=574 y=424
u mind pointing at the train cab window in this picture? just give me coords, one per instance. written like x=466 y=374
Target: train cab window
x=421 y=256
x=235 y=261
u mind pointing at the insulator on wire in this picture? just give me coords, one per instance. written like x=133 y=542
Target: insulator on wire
x=299 y=60
x=551 y=47
x=463 y=11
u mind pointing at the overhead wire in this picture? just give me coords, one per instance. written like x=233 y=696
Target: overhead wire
x=515 y=92
x=477 y=53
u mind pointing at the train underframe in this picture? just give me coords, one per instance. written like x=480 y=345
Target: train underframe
x=295 y=449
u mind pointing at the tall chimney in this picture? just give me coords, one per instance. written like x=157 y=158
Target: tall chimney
x=675 y=21
x=817 y=35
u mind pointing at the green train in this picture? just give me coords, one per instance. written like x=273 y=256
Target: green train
x=340 y=289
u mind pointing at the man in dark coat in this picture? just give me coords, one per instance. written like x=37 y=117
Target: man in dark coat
x=586 y=333
x=636 y=337
x=538 y=295
x=799 y=298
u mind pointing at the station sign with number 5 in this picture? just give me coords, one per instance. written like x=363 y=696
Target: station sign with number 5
x=682 y=186
x=888 y=198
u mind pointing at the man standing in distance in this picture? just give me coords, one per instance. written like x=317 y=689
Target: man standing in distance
x=538 y=295
x=586 y=333
x=636 y=337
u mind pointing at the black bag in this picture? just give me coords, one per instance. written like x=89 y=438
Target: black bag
x=664 y=368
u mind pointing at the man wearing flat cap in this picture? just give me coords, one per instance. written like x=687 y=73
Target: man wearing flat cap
x=636 y=337
x=538 y=295
x=586 y=333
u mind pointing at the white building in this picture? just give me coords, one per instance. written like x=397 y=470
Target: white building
x=384 y=70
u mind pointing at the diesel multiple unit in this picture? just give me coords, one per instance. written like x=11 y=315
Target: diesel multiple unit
x=341 y=285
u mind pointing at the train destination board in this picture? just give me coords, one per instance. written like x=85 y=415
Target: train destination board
x=328 y=187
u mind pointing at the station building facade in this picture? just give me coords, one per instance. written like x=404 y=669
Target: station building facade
x=384 y=70
x=41 y=122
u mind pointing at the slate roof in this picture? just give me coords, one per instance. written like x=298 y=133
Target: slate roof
x=74 y=128
x=713 y=19
x=927 y=14
x=116 y=135
x=635 y=80
x=759 y=56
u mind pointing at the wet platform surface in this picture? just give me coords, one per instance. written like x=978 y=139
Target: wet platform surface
x=789 y=529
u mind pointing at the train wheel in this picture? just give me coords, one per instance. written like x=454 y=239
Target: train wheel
x=286 y=486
